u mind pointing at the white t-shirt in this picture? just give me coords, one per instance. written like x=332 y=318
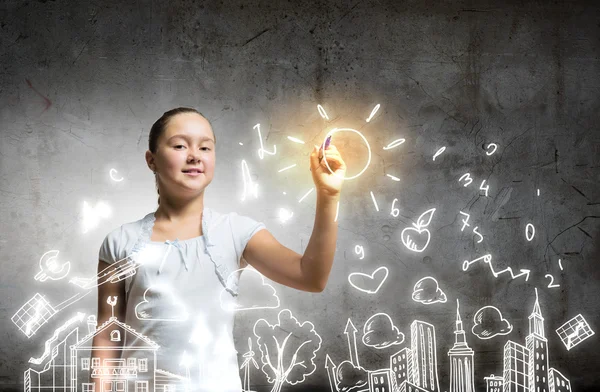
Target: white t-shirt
x=174 y=298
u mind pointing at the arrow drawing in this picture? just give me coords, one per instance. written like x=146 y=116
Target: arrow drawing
x=330 y=367
x=488 y=260
x=351 y=329
x=52 y=341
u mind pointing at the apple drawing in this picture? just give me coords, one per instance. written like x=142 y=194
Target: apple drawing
x=417 y=238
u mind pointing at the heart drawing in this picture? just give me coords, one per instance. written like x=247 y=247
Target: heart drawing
x=366 y=283
x=417 y=238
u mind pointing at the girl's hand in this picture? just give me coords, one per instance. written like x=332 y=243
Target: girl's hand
x=325 y=181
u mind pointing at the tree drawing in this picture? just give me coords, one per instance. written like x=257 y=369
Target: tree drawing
x=288 y=349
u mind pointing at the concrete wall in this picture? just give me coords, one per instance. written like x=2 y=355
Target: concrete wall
x=82 y=82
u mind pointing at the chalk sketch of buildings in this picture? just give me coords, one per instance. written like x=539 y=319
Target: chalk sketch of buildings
x=516 y=367
x=462 y=374
x=401 y=364
x=67 y=364
x=117 y=372
x=526 y=368
x=537 y=344
x=412 y=369
x=424 y=354
x=557 y=382
x=55 y=370
x=494 y=383
x=382 y=380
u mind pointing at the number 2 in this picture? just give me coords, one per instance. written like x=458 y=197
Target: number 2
x=551 y=285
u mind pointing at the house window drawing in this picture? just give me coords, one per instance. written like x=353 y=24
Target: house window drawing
x=143 y=365
x=113 y=386
x=87 y=387
x=382 y=381
x=115 y=336
x=85 y=363
x=131 y=362
x=141 y=386
x=95 y=362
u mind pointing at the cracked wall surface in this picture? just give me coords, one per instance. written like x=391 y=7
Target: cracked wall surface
x=83 y=82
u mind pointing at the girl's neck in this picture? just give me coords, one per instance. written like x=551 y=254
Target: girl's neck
x=173 y=212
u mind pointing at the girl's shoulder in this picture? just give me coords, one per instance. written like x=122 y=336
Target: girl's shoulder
x=120 y=241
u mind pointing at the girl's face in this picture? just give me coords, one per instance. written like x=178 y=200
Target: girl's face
x=187 y=143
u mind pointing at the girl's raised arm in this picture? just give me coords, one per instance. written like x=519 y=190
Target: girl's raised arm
x=308 y=272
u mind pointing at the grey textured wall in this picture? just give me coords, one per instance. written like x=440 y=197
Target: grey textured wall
x=81 y=83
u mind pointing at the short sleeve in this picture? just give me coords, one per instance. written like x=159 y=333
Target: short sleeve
x=111 y=246
x=243 y=229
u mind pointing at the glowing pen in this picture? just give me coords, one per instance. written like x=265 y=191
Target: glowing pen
x=327 y=141
x=324 y=147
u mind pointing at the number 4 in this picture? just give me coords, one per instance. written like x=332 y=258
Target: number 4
x=484 y=188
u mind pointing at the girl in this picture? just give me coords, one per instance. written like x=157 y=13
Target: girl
x=187 y=256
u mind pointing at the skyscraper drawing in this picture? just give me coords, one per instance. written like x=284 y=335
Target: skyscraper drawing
x=401 y=365
x=516 y=367
x=382 y=381
x=557 y=382
x=423 y=347
x=537 y=344
x=461 y=360
x=526 y=367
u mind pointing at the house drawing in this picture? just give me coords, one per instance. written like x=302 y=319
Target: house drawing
x=119 y=372
x=67 y=364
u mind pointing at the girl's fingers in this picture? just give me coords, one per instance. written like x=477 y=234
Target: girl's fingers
x=331 y=154
x=334 y=163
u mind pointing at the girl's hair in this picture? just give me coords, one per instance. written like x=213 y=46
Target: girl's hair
x=159 y=127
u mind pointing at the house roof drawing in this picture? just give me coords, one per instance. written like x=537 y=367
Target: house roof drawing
x=86 y=341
